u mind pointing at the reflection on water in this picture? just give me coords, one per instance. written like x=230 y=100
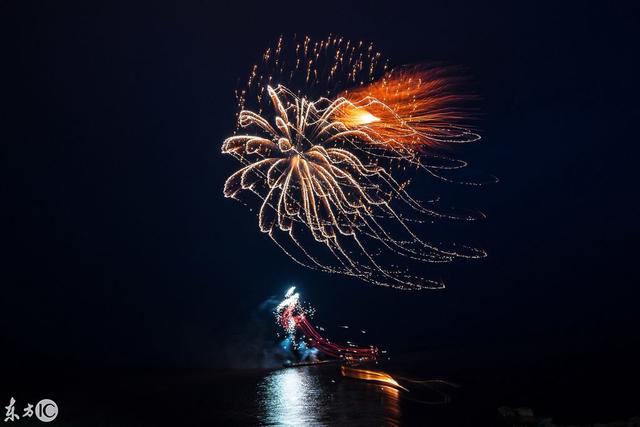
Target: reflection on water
x=392 y=403
x=290 y=396
x=307 y=395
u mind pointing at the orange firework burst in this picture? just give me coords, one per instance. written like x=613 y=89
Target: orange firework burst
x=318 y=132
x=411 y=107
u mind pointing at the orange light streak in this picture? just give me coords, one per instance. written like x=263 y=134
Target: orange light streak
x=369 y=375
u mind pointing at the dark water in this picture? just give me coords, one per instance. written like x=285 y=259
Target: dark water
x=319 y=395
x=292 y=396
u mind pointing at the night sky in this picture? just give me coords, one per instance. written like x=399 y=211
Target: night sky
x=120 y=250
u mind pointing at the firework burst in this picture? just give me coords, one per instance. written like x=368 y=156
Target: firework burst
x=326 y=136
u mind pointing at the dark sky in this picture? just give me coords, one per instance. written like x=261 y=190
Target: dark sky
x=118 y=247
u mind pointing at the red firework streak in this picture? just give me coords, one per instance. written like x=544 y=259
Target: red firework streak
x=292 y=317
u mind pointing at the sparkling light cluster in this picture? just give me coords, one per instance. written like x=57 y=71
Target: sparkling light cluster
x=293 y=317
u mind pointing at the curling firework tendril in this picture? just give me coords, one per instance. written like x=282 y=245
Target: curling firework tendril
x=326 y=133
